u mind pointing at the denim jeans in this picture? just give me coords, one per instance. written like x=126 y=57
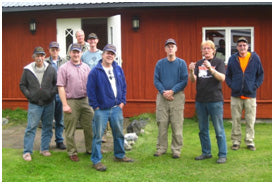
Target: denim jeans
x=215 y=111
x=59 y=120
x=99 y=123
x=35 y=114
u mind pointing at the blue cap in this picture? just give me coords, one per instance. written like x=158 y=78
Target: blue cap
x=39 y=50
x=76 y=46
x=53 y=44
x=110 y=47
x=170 y=40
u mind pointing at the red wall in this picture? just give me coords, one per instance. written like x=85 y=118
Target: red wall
x=142 y=49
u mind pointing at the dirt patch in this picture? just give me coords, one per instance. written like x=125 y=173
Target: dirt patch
x=13 y=137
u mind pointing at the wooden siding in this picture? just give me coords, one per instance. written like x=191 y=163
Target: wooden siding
x=142 y=49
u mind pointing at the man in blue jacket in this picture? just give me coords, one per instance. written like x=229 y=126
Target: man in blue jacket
x=106 y=89
x=170 y=79
x=244 y=76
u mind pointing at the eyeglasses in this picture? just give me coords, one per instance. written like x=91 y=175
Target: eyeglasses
x=110 y=75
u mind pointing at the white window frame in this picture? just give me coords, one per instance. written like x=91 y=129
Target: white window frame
x=228 y=38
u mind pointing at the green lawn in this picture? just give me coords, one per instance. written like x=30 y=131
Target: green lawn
x=242 y=165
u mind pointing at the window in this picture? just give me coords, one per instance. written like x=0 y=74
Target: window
x=225 y=39
x=69 y=37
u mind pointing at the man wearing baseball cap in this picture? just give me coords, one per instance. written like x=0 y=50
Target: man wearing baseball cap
x=38 y=84
x=71 y=82
x=244 y=75
x=56 y=61
x=106 y=89
x=170 y=79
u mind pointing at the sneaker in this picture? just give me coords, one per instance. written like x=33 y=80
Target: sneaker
x=221 y=160
x=99 y=167
x=157 y=154
x=235 y=147
x=176 y=156
x=202 y=157
x=250 y=147
x=74 y=158
x=125 y=159
x=45 y=153
x=27 y=157
x=61 y=146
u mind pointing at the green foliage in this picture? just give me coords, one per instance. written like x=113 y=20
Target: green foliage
x=15 y=117
x=242 y=165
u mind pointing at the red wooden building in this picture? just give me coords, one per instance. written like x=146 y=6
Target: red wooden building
x=140 y=46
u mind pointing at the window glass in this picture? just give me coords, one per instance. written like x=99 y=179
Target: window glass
x=69 y=37
x=218 y=37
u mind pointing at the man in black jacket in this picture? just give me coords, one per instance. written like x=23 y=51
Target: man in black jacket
x=38 y=84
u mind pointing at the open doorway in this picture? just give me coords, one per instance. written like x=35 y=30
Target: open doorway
x=97 y=26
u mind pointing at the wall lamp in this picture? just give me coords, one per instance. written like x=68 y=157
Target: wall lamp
x=135 y=23
x=32 y=26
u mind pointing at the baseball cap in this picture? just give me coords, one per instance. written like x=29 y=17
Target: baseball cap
x=76 y=46
x=170 y=40
x=53 y=44
x=242 y=39
x=92 y=35
x=110 y=47
x=39 y=50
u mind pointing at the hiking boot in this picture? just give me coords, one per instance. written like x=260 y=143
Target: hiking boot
x=99 y=167
x=202 y=157
x=61 y=146
x=221 y=160
x=45 y=153
x=27 y=157
x=250 y=147
x=235 y=147
x=125 y=159
x=74 y=158
x=176 y=156
x=157 y=154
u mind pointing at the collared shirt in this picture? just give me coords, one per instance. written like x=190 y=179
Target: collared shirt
x=74 y=79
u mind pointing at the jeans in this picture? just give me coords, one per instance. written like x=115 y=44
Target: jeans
x=59 y=120
x=35 y=114
x=215 y=110
x=99 y=123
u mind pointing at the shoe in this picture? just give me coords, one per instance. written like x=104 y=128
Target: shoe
x=202 y=157
x=74 y=158
x=235 y=147
x=89 y=153
x=221 y=160
x=176 y=156
x=99 y=167
x=157 y=154
x=45 y=153
x=250 y=147
x=61 y=146
x=27 y=157
x=104 y=139
x=125 y=159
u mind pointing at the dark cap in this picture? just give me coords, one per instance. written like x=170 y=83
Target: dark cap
x=92 y=35
x=76 y=46
x=242 y=39
x=110 y=47
x=39 y=50
x=54 y=45
x=170 y=40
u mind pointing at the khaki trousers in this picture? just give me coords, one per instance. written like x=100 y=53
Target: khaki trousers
x=170 y=112
x=82 y=112
x=237 y=106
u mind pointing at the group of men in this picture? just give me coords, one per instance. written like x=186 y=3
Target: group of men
x=90 y=88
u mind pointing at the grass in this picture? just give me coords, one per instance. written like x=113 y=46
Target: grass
x=15 y=117
x=242 y=165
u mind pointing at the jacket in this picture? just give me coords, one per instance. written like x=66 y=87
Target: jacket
x=59 y=62
x=35 y=93
x=247 y=83
x=99 y=90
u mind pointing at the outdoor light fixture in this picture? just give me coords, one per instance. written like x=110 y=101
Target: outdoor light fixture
x=32 y=26
x=135 y=23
